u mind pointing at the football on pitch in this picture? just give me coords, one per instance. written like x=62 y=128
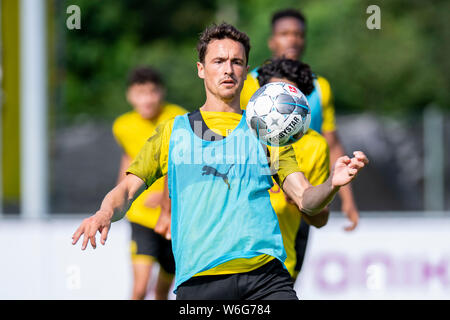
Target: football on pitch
x=278 y=114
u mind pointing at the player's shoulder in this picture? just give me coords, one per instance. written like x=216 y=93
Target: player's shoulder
x=126 y=116
x=172 y=109
x=161 y=135
x=165 y=127
x=125 y=119
x=168 y=113
x=322 y=82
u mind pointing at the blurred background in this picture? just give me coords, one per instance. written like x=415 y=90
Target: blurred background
x=63 y=86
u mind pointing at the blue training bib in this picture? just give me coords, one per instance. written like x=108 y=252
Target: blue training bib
x=221 y=208
x=315 y=104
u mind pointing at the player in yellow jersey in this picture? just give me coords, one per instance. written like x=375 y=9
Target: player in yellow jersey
x=288 y=40
x=225 y=235
x=145 y=94
x=311 y=152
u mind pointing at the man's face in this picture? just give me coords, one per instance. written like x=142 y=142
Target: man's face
x=224 y=69
x=146 y=99
x=288 y=38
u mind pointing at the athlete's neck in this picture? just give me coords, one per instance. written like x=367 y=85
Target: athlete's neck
x=219 y=105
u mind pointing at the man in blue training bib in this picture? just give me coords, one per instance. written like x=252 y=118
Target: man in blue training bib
x=225 y=234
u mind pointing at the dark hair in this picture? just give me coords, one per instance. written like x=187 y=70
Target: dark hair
x=288 y=13
x=292 y=70
x=141 y=75
x=219 y=32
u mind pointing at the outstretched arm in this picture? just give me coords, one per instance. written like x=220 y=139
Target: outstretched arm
x=312 y=199
x=149 y=165
x=318 y=220
x=114 y=206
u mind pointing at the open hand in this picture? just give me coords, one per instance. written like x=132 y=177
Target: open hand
x=345 y=168
x=100 y=222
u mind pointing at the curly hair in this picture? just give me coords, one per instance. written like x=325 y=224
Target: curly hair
x=219 y=32
x=292 y=70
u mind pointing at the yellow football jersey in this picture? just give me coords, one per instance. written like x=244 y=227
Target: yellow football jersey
x=313 y=158
x=131 y=132
x=312 y=155
x=251 y=84
x=152 y=163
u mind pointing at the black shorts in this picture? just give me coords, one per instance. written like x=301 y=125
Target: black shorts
x=300 y=244
x=269 y=282
x=147 y=245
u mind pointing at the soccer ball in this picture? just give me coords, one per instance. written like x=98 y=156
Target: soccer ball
x=278 y=114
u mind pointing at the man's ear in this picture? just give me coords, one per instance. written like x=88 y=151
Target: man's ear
x=201 y=70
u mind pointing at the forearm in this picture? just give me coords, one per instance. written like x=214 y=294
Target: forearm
x=319 y=220
x=118 y=201
x=113 y=208
x=115 y=204
x=309 y=199
x=316 y=198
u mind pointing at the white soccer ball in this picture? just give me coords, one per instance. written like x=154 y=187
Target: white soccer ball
x=278 y=114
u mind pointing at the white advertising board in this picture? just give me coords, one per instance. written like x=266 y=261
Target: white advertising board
x=384 y=258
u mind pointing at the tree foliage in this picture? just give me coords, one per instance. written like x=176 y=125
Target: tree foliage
x=401 y=67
